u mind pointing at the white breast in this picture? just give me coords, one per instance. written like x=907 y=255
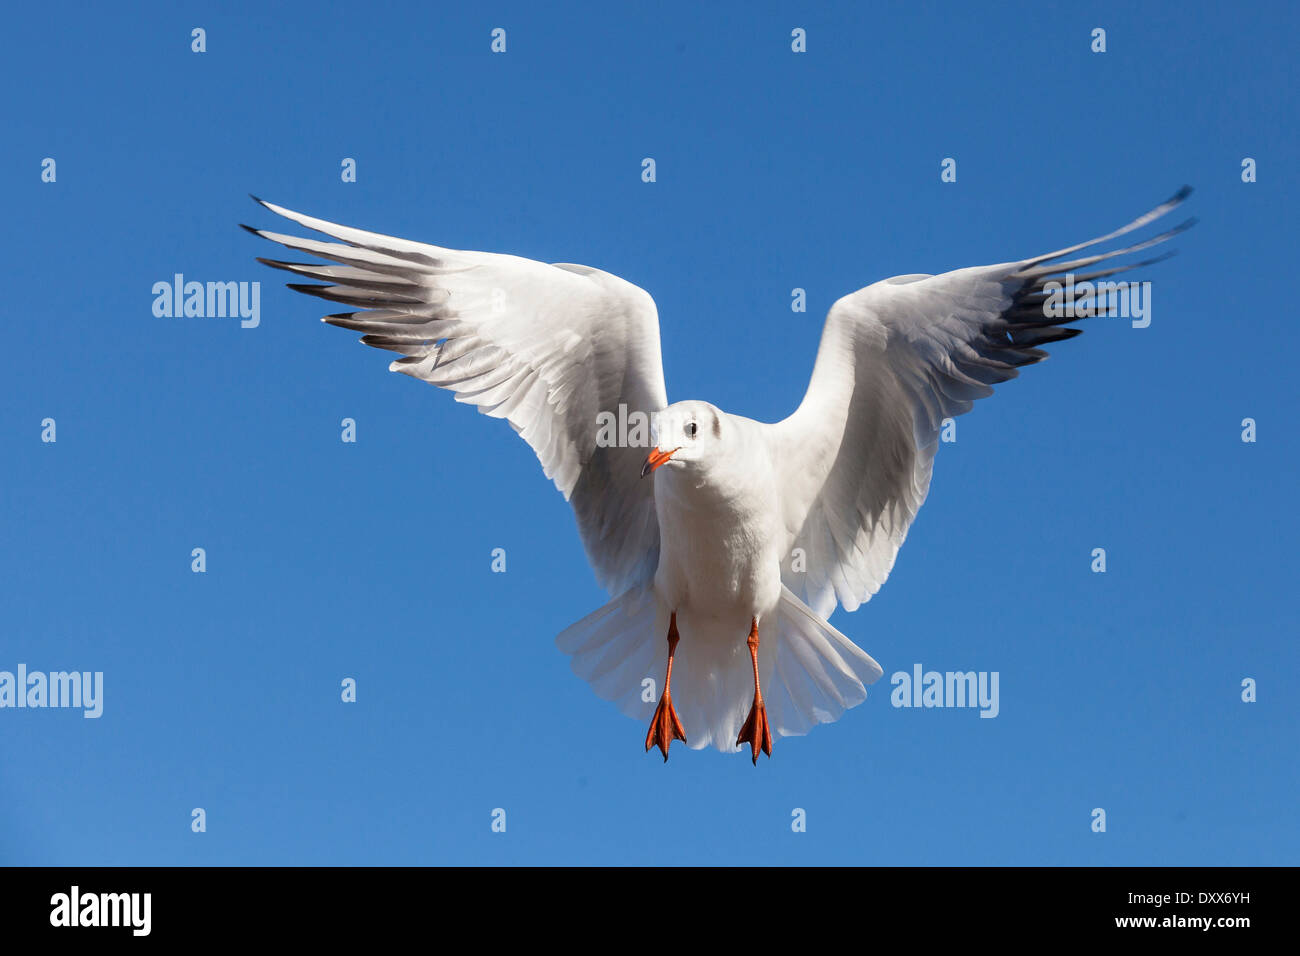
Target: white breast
x=720 y=536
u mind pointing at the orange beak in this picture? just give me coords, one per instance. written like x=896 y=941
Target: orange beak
x=655 y=459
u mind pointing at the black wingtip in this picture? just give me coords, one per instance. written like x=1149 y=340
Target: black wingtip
x=1177 y=230
x=259 y=201
x=320 y=291
x=1156 y=260
x=1182 y=194
x=252 y=230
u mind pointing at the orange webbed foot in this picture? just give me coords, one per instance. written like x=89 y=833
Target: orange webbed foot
x=664 y=726
x=756 y=732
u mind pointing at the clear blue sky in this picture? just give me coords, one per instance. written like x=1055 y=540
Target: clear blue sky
x=775 y=170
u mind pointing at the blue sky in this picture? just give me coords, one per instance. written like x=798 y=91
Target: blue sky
x=775 y=170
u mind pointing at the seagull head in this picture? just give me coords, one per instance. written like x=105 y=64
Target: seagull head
x=683 y=435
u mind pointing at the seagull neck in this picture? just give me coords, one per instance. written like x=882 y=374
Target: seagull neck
x=733 y=487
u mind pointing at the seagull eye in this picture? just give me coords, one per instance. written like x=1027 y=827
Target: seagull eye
x=691 y=429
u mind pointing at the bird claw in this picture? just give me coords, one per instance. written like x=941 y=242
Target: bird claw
x=664 y=726
x=756 y=732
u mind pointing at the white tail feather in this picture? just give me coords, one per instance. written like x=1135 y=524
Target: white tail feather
x=811 y=673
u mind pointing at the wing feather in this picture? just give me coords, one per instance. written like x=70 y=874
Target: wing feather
x=896 y=359
x=549 y=348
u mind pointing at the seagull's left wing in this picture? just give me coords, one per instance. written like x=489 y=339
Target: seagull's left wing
x=896 y=358
x=546 y=347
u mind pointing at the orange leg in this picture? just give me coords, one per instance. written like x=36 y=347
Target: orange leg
x=756 y=732
x=664 y=726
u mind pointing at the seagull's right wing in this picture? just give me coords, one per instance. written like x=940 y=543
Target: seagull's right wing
x=896 y=358
x=546 y=347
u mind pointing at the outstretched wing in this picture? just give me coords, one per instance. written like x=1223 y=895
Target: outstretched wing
x=896 y=358
x=546 y=347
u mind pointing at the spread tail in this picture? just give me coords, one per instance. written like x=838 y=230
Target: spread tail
x=811 y=673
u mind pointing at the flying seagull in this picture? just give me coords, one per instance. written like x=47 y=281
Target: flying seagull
x=729 y=540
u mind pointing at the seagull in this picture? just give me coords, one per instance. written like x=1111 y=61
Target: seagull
x=728 y=539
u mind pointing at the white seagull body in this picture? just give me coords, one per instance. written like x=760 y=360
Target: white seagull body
x=747 y=535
